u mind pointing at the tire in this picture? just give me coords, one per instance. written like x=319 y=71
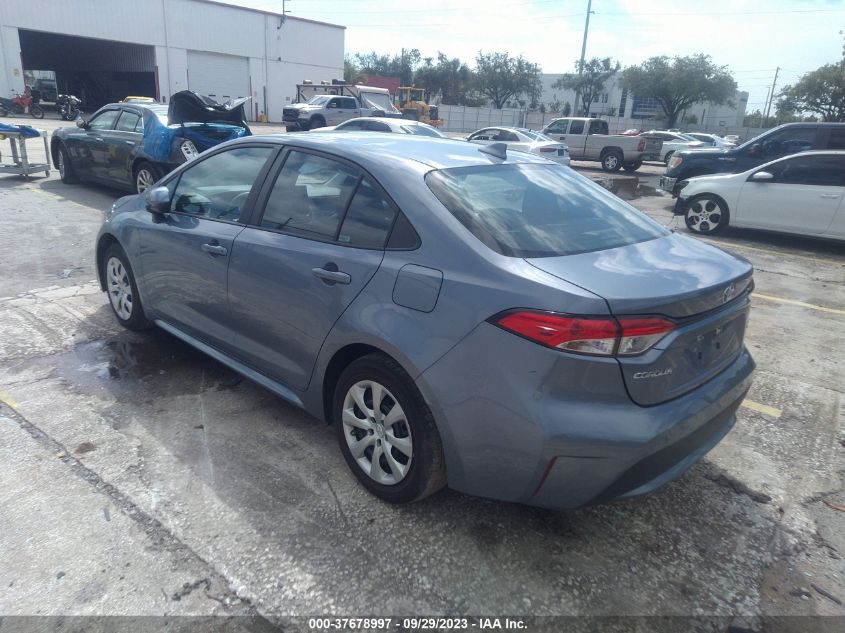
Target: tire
x=668 y=157
x=316 y=122
x=633 y=166
x=144 y=176
x=403 y=477
x=706 y=214
x=122 y=290
x=612 y=160
x=36 y=111
x=65 y=167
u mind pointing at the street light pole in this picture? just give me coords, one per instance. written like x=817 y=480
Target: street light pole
x=583 y=51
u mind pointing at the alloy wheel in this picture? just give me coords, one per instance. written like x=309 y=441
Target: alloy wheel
x=119 y=288
x=144 y=180
x=377 y=432
x=704 y=215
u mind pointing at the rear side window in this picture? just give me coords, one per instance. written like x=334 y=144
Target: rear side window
x=837 y=139
x=310 y=196
x=598 y=127
x=369 y=218
x=538 y=210
x=128 y=122
x=576 y=127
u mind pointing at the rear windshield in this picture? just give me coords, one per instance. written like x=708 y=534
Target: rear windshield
x=539 y=210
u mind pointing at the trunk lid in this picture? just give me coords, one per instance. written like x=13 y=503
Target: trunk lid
x=190 y=107
x=703 y=289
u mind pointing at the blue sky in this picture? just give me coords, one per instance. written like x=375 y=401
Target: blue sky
x=752 y=37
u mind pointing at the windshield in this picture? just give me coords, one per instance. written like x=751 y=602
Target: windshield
x=421 y=130
x=319 y=100
x=538 y=210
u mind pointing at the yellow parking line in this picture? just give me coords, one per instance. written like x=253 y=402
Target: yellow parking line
x=761 y=408
x=6 y=399
x=802 y=304
x=774 y=253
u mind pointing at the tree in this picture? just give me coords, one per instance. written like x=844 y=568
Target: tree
x=567 y=109
x=590 y=83
x=679 y=82
x=401 y=65
x=351 y=73
x=450 y=77
x=499 y=77
x=821 y=91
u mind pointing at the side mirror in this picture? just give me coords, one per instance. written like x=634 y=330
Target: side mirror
x=762 y=176
x=82 y=123
x=158 y=200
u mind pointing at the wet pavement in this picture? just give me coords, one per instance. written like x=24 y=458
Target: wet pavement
x=133 y=447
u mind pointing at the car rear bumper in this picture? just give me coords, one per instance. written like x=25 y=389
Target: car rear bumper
x=545 y=428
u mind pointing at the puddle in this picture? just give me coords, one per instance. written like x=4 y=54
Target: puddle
x=153 y=361
x=628 y=187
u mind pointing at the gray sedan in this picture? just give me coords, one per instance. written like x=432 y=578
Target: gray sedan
x=463 y=315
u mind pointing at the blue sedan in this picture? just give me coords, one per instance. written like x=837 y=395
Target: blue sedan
x=132 y=144
x=463 y=315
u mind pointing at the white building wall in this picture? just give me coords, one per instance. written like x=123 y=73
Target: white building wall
x=280 y=53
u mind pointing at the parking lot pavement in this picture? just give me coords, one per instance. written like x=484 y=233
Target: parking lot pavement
x=205 y=475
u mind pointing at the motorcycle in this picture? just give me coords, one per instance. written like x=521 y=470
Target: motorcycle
x=22 y=104
x=68 y=107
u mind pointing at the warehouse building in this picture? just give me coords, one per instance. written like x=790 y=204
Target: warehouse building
x=104 y=50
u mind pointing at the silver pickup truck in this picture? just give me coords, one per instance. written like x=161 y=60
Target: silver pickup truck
x=588 y=140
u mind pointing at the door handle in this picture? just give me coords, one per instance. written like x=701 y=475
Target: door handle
x=129 y=142
x=832 y=196
x=214 y=249
x=331 y=276
x=98 y=138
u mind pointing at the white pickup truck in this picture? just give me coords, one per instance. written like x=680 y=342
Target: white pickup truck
x=588 y=140
x=331 y=103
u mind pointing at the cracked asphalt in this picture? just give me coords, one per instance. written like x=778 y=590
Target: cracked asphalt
x=141 y=478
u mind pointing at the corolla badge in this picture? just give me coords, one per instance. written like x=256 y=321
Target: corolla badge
x=728 y=293
x=654 y=373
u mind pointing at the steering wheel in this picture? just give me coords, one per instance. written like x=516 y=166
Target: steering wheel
x=235 y=204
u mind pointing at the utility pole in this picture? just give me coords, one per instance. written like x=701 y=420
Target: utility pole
x=583 y=51
x=771 y=95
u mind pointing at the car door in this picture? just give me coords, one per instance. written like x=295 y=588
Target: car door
x=576 y=137
x=802 y=197
x=314 y=243
x=185 y=253
x=557 y=129
x=87 y=147
x=123 y=143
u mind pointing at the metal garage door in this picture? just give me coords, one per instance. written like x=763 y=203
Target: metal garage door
x=221 y=77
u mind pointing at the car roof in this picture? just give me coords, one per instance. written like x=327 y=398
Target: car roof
x=382 y=150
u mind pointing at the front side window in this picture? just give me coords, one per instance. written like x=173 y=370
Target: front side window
x=104 y=120
x=789 y=141
x=217 y=188
x=557 y=127
x=421 y=129
x=378 y=126
x=822 y=171
x=538 y=210
x=310 y=196
x=351 y=125
x=369 y=218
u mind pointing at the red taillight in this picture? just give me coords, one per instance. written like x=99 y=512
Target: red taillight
x=641 y=145
x=604 y=336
